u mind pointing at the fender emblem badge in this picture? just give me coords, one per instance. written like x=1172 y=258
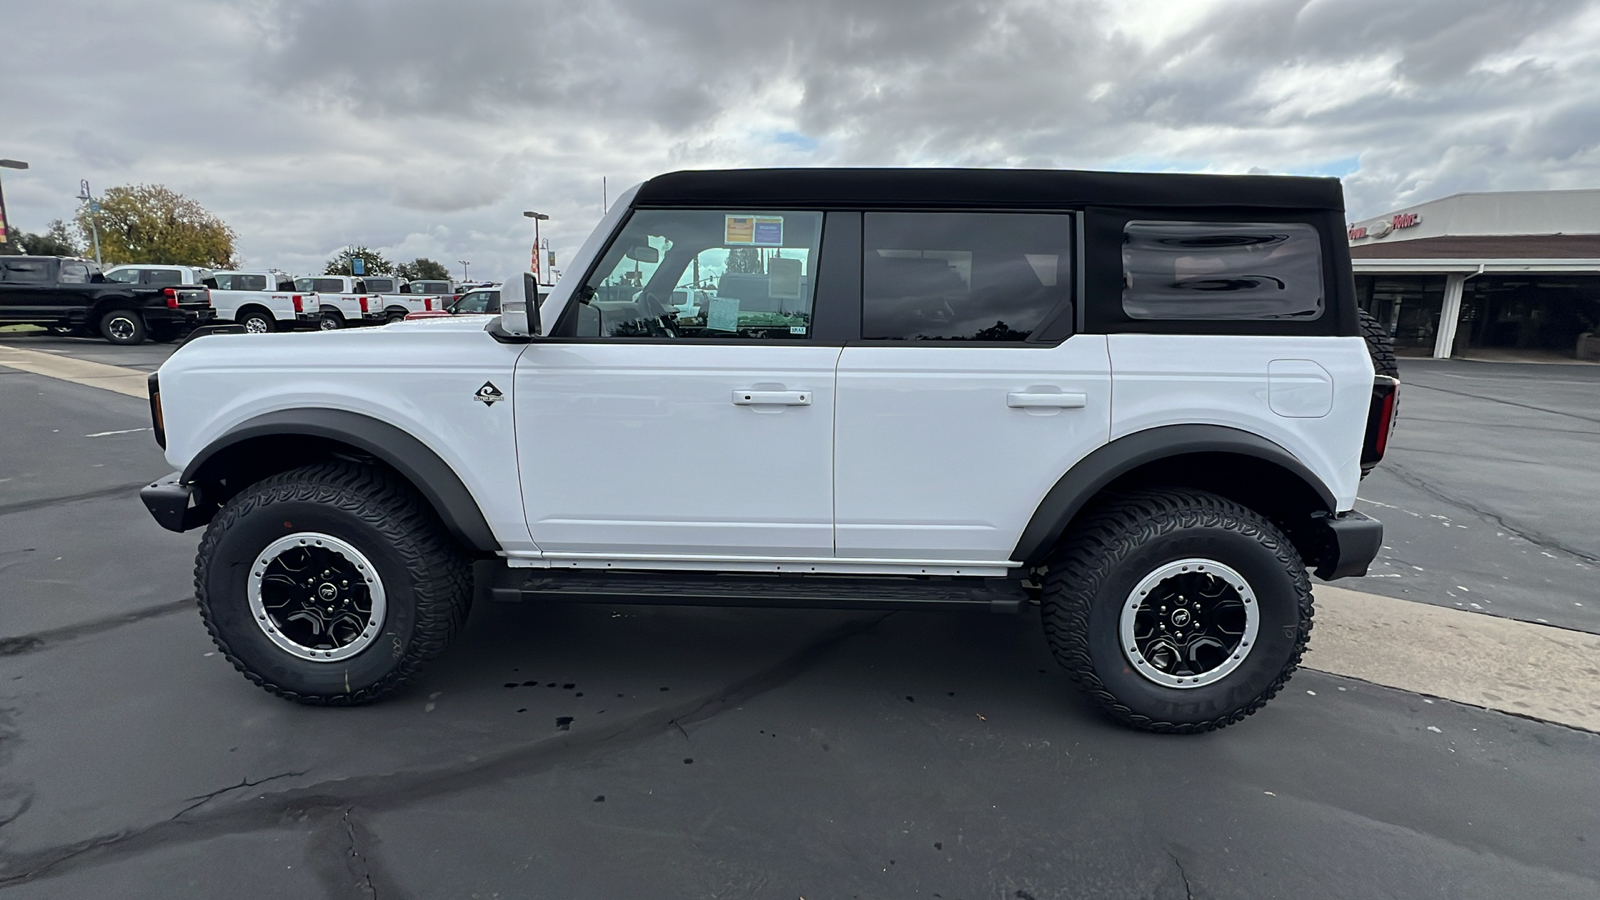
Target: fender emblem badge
x=488 y=394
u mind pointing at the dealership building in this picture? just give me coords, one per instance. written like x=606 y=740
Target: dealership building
x=1511 y=275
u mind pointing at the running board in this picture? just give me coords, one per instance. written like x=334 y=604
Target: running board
x=996 y=595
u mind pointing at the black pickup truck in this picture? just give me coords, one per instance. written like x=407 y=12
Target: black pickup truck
x=65 y=293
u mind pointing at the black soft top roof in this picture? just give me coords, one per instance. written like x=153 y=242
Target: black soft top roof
x=980 y=188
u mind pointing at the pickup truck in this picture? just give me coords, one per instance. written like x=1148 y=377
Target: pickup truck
x=263 y=301
x=71 y=293
x=157 y=275
x=344 y=301
x=396 y=298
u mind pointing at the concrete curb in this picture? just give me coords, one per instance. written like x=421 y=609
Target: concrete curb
x=78 y=371
x=1515 y=667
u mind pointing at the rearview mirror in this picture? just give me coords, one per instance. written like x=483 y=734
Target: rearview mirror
x=645 y=254
x=519 y=306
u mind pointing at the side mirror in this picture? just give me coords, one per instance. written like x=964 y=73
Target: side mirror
x=519 y=306
x=645 y=254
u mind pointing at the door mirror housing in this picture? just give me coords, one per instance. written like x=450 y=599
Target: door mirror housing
x=519 y=306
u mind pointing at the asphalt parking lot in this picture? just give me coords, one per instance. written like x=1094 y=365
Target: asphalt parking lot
x=600 y=752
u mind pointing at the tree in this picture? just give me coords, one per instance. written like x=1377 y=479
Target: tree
x=151 y=223
x=376 y=264
x=55 y=241
x=423 y=268
x=745 y=259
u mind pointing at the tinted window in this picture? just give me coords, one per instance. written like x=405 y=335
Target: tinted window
x=27 y=271
x=381 y=285
x=123 y=276
x=478 y=302
x=705 y=274
x=74 y=273
x=324 y=285
x=163 y=276
x=1221 y=270
x=962 y=276
x=240 y=282
x=430 y=287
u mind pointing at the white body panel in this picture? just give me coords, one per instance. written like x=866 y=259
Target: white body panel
x=420 y=377
x=644 y=448
x=1189 y=379
x=944 y=451
x=279 y=303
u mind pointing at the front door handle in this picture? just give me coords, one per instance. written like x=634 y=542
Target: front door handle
x=771 y=398
x=1028 y=400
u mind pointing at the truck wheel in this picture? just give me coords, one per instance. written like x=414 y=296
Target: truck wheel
x=331 y=322
x=331 y=584
x=1380 y=345
x=257 y=322
x=1177 y=611
x=122 y=326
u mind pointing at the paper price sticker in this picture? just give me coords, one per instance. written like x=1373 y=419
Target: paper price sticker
x=753 y=231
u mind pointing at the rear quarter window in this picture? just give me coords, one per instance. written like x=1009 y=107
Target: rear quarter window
x=19 y=271
x=1199 y=271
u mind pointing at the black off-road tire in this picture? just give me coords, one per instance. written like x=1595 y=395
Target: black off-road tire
x=1379 y=345
x=426 y=577
x=1101 y=562
x=124 y=327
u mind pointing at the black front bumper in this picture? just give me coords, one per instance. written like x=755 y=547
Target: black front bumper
x=1350 y=542
x=176 y=506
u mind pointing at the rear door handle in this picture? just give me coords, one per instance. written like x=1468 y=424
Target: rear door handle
x=1025 y=400
x=771 y=398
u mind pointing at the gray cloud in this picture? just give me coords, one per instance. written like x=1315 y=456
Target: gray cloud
x=425 y=128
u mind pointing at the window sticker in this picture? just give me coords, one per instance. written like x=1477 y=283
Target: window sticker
x=757 y=231
x=797 y=329
x=723 y=314
x=784 y=278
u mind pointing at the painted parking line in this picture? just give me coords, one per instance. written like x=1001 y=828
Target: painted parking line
x=119 y=379
x=1501 y=664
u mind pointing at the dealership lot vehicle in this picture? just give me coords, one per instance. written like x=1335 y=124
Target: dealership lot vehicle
x=344 y=301
x=70 y=295
x=157 y=275
x=263 y=301
x=834 y=379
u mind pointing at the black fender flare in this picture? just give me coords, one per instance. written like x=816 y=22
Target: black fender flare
x=1092 y=473
x=414 y=460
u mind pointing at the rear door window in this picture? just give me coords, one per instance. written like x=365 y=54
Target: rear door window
x=19 y=271
x=123 y=276
x=1221 y=270
x=962 y=276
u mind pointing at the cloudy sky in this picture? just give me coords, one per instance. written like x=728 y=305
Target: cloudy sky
x=426 y=128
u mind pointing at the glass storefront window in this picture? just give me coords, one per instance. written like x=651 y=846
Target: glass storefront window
x=1408 y=305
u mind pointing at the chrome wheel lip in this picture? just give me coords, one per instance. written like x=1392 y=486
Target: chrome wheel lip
x=1192 y=565
x=121 y=327
x=264 y=620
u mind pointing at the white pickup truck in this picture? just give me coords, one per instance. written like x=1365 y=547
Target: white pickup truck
x=395 y=298
x=263 y=301
x=344 y=301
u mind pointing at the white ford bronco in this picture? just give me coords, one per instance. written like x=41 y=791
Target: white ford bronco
x=1141 y=404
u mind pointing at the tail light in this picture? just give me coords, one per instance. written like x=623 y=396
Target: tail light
x=299 y=303
x=1380 y=421
x=172 y=297
x=155 y=410
x=363 y=304
x=427 y=303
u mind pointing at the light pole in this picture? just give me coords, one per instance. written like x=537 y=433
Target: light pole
x=464 y=264
x=4 y=222
x=94 y=224
x=538 y=247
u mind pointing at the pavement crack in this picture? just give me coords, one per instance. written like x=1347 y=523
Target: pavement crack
x=1538 y=539
x=26 y=505
x=1553 y=412
x=358 y=861
x=1188 y=890
x=17 y=645
x=202 y=799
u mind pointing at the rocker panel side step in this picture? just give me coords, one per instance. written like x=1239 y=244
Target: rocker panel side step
x=996 y=595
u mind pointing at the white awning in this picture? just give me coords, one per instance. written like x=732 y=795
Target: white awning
x=1472 y=266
